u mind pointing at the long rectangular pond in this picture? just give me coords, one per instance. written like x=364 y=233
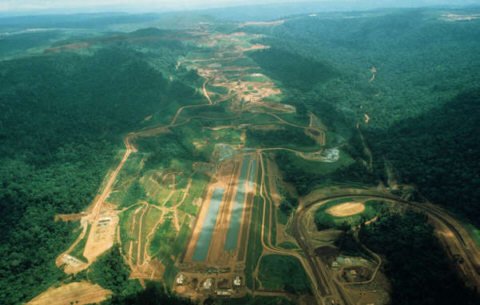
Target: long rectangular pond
x=203 y=243
x=251 y=176
x=239 y=203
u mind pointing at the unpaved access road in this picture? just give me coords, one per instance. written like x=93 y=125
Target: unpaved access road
x=130 y=148
x=268 y=248
x=458 y=240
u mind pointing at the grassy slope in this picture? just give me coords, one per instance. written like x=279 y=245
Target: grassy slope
x=283 y=272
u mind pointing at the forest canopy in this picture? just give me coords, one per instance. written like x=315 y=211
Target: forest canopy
x=63 y=116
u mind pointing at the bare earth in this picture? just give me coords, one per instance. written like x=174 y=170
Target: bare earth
x=102 y=236
x=346 y=209
x=367 y=118
x=74 y=293
x=455 y=17
x=263 y=23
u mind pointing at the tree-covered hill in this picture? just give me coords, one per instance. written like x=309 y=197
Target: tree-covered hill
x=422 y=101
x=415 y=262
x=421 y=60
x=439 y=152
x=62 y=118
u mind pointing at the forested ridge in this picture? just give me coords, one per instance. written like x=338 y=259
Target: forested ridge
x=63 y=116
x=421 y=60
x=422 y=101
x=438 y=152
x=415 y=75
x=416 y=265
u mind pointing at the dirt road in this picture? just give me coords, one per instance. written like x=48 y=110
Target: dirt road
x=457 y=242
x=60 y=259
x=97 y=204
x=268 y=247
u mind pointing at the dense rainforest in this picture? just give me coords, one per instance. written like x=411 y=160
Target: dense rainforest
x=413 y=73
x=415 y=262
x=408 y=81
x=153 y=294
x=111 y=272
x=439 y=152
x=63 y=116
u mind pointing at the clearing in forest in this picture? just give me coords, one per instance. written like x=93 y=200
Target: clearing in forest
x=346 y=209
x=74 y=293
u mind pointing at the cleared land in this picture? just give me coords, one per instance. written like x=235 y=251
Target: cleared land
x=210 y=222
x=163 y=211
x=102 y=236
x=346 y=209
x=451 y=235
x=74 y=293
x=281 y=272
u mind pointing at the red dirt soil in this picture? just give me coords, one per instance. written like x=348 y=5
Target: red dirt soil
x=74 y=293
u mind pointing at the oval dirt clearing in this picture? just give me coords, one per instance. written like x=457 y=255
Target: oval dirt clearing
x=346 y=209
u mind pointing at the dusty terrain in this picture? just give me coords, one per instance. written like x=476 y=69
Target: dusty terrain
x=453 y=237
x=74 y=293
x=346 y=209
x=223 y=272
x=101 y=236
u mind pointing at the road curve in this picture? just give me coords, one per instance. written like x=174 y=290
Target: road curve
x=469 y=251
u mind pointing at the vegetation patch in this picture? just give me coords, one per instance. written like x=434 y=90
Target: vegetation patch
x=111 y=272
x=134 y=194
x=293 y=69
x=163 y=239
x=250 y=300
x=165 y=148
x=77 y=252
x=414 y=258
x=126 y=218
x=154 y=293
x=197 y=189
x=182 y=238
x=255 y=244
x=283 y=272
x=170 y=271
x=152 y=216
x=289 y=137
x=325 y=219
x=288 y=245
x=282 y=217
x=256 y=78
x=307 y=175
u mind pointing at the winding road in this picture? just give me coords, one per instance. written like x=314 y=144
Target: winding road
x=459 y=240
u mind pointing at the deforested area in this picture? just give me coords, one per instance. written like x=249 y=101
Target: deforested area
x=264 y=153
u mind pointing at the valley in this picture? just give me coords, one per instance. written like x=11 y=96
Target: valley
x=243 y=170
